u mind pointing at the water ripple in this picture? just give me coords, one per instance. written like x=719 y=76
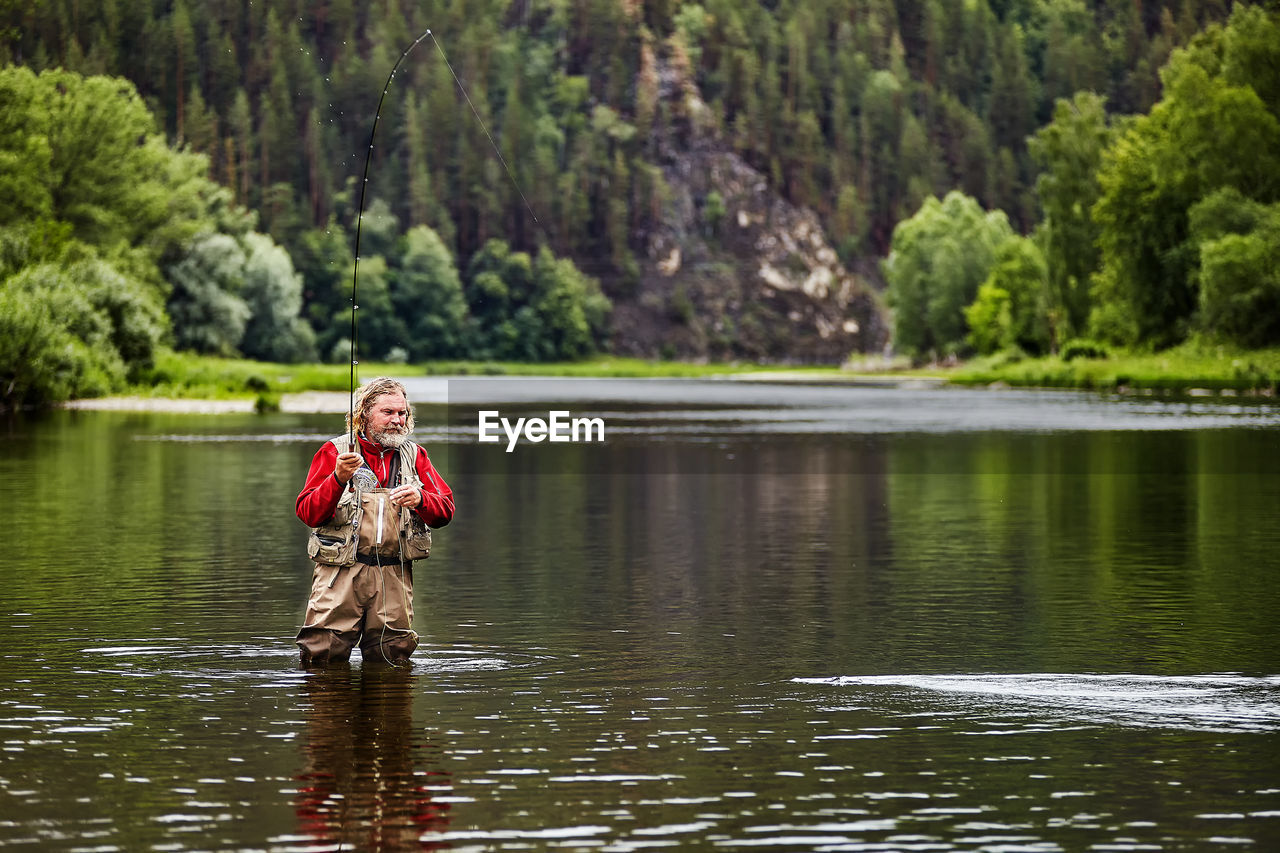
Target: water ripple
x=1218 y=702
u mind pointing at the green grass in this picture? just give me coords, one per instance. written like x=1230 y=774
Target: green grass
x=604 y=366
x=1217 y=369
x=184 y=375
x=1190 y=366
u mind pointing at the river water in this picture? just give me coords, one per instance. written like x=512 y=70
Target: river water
x=755 y=616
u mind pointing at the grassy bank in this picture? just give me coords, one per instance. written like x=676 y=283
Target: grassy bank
x=183 y=375
x=1182 y=369
x=186 y=376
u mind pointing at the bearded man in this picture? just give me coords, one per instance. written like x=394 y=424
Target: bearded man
x=369 y=509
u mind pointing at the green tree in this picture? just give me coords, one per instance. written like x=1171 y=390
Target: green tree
x=96 y=204
x=499 y=284
x=1251 y=53
x=1240 y=295
x=379 y=329
x=1011 y=108
x=200 y=125
x=84 y=151
x=41 y=360
x=1069 y=152
x=880 y=133
x=533 y=309
x=851 y=223
x=417 y=163
x=273 y=292
x=1011 y=309
x=1189 y=145
x=135 y=318
x=240 y=160
x=573 y=311
x=427 y=295
x=26 y=156
x=322 y=257
x=205 y=306
x=1239 y=274
x=73 y=329
x=1073 y=59
x=990 y=319
x=937 y=260
x=185 y=69
x=379 y=230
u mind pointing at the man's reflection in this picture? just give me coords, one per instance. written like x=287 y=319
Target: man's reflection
x=358 y=789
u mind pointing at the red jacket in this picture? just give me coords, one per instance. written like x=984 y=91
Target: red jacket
x=319 y=497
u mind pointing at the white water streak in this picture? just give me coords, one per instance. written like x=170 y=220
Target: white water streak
x=1218 y=702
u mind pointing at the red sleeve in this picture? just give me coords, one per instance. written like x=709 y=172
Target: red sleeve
x=436 y=508
x=319 y=497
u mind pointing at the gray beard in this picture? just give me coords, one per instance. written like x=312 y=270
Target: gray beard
x=389 y=438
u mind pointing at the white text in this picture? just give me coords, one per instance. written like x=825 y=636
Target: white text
x=559 y=427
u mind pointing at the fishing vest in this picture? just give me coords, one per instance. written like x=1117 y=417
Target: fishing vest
x=366 y=523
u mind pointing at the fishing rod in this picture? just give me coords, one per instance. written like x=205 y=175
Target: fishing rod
x=364 y=186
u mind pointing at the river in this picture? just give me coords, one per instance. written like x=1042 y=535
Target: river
x=754 y=616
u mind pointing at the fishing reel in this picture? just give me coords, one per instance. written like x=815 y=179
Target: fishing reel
x=364 y=479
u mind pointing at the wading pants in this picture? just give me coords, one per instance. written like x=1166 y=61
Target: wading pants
x=360 y=604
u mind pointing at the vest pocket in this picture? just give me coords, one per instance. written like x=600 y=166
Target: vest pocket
x=417 y=538
x=379 y=524
x=331 y=549
x=334 y=543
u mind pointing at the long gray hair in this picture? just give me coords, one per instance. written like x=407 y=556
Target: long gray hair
x=368 y=393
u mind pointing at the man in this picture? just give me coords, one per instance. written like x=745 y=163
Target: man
x=364 y=536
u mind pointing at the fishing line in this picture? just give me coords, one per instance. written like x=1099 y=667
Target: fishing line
x=355 y=278
x=476 y=113
x=355 y=272
x=364 y=186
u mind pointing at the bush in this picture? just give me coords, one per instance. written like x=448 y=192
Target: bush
x=42 y=361
x=680 y=308
x=1083 y=348
x=340 y=352
x=713 y=211
x=256 y=383
x=1007 y=356
x=266 y=403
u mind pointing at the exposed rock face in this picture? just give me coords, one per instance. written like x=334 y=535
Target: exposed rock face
x=735 y=271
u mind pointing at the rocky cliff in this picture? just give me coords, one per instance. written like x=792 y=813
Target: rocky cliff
x=733 y=270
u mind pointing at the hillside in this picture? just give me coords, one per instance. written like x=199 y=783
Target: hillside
x=731 y=173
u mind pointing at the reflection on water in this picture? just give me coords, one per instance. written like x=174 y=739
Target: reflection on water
x=773 y=621
x=367 y=783
x=681 y=406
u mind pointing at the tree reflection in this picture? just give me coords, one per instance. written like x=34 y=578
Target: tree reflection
x=368 y=778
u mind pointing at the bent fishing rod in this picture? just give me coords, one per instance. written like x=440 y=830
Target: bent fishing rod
x=364 y=186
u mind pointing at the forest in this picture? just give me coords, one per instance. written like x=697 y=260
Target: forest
x=1029 y=175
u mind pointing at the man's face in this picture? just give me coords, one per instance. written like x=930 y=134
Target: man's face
x=385 y=423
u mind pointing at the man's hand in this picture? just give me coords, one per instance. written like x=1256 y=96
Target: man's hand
x=345 y=468
x=408 y=496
